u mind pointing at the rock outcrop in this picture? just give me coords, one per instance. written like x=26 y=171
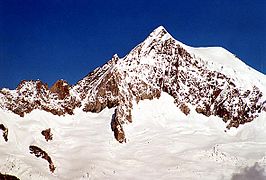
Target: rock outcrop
x=38 y=152
x=5 y=132
x=47 y=134
x=61 y=89
x=8 y=177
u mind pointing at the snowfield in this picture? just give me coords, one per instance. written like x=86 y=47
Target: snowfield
x=162 y=143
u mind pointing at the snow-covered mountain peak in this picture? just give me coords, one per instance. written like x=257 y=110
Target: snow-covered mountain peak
x=178 y=92
x=159 y=32
x=207 y=80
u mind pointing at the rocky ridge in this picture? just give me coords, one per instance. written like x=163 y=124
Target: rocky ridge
x=159 y=64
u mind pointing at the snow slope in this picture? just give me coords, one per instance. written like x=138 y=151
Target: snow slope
x=162 y=143
x=223 y=61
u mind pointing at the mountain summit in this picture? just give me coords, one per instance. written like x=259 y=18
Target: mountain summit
x=210 y=81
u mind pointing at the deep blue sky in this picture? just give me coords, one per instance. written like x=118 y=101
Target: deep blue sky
x=53 y=39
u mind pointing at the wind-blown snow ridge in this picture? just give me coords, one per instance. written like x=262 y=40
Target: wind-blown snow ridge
x=211 y=81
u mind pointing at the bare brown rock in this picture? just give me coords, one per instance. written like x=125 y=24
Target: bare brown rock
x=5 y=132
x=47 y=134
x=38 y=152
x=60 y=88
x=117 y=128
x=8 y=177
x=203 y=110
x=222 y=112
x=185 y=109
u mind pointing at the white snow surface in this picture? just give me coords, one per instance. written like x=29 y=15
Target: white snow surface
x=223 y=61
x=162 y=143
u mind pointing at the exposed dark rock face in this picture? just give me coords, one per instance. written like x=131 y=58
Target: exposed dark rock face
x=185 y=109
x=61 y=89
x=47 y=134
x=159 y=64
x=8 y=177
x=117 y=128
x=5 y=132
x=38 y=152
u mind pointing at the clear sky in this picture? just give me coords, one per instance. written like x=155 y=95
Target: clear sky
x=54 y=39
